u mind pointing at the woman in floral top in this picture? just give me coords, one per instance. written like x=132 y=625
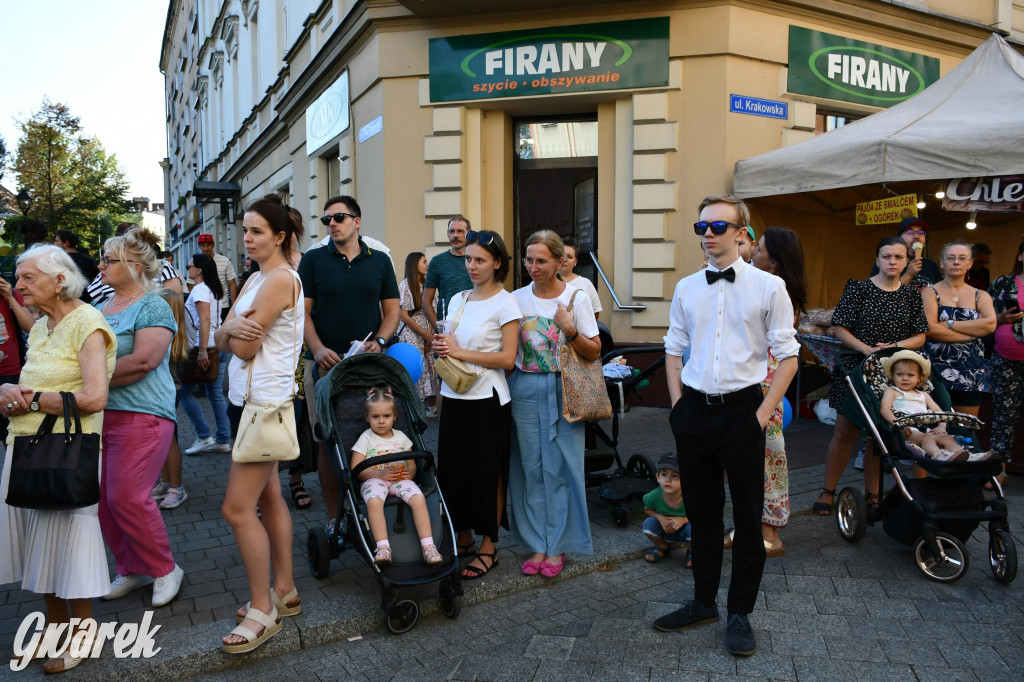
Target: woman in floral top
x=1008 y=359
x=546 y=486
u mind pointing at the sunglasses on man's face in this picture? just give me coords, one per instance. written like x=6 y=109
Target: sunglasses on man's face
x=336 y=217
x=717 y=227
x=482 y=238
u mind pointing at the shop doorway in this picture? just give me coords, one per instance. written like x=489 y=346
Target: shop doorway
x=555 y=185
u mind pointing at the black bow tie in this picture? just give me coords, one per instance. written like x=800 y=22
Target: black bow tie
x=728 y=275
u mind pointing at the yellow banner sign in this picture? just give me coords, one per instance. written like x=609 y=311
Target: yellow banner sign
x=888 y=210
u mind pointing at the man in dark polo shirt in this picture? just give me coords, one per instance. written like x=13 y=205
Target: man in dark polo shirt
x=446 y=274
x=351 y=294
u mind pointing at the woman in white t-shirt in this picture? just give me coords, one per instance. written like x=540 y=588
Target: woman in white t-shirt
x=572 y=248
x=202 y=318
x=475 y=475
x=546 y=486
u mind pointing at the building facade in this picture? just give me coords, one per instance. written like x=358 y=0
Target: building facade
x=607 y=121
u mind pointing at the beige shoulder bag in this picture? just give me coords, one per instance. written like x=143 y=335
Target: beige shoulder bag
x=459 y=377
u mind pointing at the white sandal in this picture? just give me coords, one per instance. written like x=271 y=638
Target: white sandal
x=271 y=626
x=68 y=659
x=280 y=602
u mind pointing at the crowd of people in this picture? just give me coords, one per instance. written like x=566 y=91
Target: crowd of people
x=126 y=341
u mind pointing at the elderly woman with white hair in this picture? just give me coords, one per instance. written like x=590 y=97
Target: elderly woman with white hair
x=139 y=421
x=71 y=348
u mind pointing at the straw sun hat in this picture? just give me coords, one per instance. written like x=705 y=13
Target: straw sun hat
x=890 y=362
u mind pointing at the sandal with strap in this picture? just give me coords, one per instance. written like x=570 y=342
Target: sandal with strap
x=288 y=605
x=300 y=498
x=382 y=555
x=824 y=508
x=431 y=555
x=271 y=626
x=656 y=554
x=471 y=572
x=467 y=550
x=71 y=656
x=871 y=499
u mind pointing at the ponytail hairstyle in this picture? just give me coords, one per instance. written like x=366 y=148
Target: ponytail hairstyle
x=279 y=218
x=179 y=342
x=381 y=394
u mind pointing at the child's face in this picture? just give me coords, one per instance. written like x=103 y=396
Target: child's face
x=746 y=246
x=669 y=481
x=381 y=417
x=906 y=375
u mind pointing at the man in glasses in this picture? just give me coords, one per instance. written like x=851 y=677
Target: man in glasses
x=446 y=273
x=920 y=272
x=351 y=295
x=225 y=271
x=727 y=315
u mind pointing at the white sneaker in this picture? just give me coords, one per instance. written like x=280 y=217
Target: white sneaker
x=174 y=498
x=165 y=588
x=159 y=491
x=200 y=445
x=858 y=463
x=219 y=447
x=125 y=584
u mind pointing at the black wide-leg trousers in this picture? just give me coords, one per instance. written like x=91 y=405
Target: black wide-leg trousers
x=710 y=440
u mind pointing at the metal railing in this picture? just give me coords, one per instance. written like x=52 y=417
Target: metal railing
x=635 y=307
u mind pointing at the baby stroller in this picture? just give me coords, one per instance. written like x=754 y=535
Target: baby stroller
x=602 y=464
x=341 y=408
x=934 y=515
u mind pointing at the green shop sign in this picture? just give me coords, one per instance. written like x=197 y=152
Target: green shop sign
x=833 y=67
x=555 y=60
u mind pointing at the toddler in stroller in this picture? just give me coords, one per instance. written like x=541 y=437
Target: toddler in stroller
x=908 y=372
x=394 y=478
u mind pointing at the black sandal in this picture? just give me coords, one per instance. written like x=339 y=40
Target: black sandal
x=872 y=501
x=824 y=508
x=471 y=572
x=300 y=498
x=464 y=550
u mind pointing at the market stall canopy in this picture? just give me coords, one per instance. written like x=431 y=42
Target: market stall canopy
x=969 y=123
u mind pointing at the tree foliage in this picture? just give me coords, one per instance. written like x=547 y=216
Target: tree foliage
x=73 y=183
x=4 y=154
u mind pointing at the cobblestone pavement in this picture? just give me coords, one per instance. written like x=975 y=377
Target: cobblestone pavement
x=827 y=607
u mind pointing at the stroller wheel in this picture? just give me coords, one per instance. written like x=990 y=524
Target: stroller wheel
x=642 y=466
x=851 y=514
x=952 y=562
x=1002 y=556
x=402 y=616
x=620 y=516
x=451 y=603
x=318 y=552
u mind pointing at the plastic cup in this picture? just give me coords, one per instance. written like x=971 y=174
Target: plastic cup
x=444 y=327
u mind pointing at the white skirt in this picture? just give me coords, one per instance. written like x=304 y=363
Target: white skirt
x=51 y=552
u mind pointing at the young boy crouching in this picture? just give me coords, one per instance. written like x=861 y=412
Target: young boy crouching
x=666 y=525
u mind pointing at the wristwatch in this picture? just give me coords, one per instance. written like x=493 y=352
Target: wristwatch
x=34 y=405
x=381 y=341
x=949 y=323
x=570 y=339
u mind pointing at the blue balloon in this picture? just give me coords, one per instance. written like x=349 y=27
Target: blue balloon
x=787 y=412
x=410 y=357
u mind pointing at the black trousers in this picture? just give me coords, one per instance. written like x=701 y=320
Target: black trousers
x=710 y=440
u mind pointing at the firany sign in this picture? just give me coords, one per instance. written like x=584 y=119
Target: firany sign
x=833 y=67
x=1003 y=194
x=553 y=60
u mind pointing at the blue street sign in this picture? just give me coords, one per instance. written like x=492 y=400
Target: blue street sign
x=758 y=107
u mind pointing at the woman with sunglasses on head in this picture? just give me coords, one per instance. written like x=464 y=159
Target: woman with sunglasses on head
x=958 y=316
x=546 y=484
x=485 y=328
x=202 y=317
x=874 y=313
x=566 y=272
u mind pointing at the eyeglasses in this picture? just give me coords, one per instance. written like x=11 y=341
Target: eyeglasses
x=530 y=262
x=482 y=238
x=336 y=217
x=916 y=233
x=717 y=227
x=957 y=259
x=107 y=260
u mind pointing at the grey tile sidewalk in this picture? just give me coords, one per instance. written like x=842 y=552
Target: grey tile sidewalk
x=820 y=595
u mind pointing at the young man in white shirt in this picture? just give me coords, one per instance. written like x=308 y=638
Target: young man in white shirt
x=728 y=316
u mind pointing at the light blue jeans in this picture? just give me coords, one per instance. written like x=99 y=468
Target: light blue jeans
x=215 y=393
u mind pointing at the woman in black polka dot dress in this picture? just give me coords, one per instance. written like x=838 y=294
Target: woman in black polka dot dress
x=874 y=313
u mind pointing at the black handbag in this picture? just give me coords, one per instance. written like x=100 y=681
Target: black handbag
x=55 y=471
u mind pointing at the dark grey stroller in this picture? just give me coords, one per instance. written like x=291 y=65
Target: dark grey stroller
x=341 y=406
